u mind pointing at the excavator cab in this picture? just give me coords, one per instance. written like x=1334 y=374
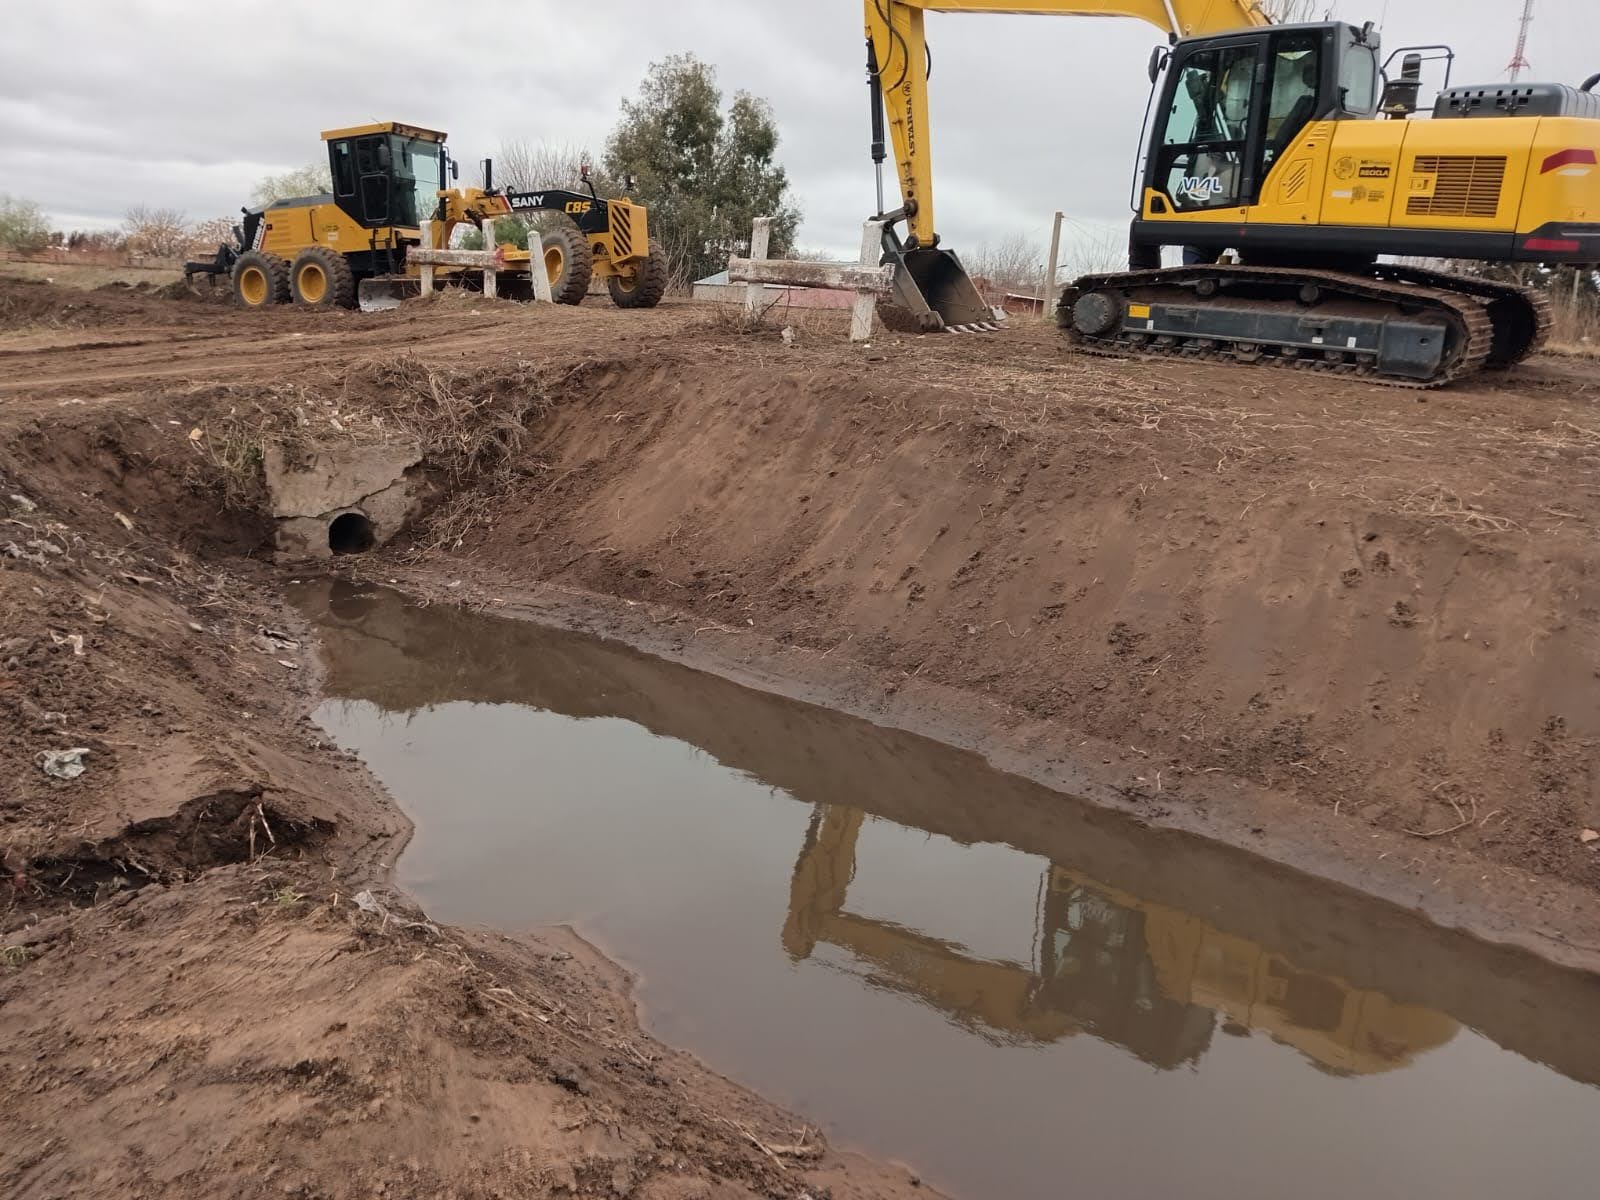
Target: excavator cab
x=1231 y=106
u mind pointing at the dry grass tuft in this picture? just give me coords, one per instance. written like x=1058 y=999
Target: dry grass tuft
x=1576 y=328
x=465 y=421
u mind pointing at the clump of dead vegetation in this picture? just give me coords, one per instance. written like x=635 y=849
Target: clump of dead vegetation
x=778 y=317
x=466 y=422
x=1575 y=327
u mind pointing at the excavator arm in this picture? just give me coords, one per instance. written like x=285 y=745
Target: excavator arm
x=932 y=284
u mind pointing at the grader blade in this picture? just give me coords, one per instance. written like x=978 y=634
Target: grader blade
x=384 y=292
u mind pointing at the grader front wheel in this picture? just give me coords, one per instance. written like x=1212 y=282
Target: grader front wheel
x=568 y=263
x=644 y=286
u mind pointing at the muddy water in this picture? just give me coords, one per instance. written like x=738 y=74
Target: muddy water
x=1018 y=995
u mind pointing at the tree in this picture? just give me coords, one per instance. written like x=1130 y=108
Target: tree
x=703 y=174
x=525 y=166
x=206 y=236
x=22 y=225
x=312 y=179
x=158 y=232
x=1012 y=265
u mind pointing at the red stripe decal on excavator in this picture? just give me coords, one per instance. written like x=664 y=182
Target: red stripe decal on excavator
x=1567 y=158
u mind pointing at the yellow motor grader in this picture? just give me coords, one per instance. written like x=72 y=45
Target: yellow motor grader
x=348 y=246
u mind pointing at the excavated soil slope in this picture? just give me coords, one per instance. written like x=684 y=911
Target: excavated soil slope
x=1385 y=612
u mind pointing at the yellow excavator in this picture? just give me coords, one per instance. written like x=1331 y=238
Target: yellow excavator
x=1291 y=151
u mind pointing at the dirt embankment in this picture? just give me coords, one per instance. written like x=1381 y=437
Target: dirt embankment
x=1313 y=616
x=204 y=982
x=1385 y=613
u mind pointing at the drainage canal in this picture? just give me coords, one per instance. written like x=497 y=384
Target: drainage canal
x=1019 y=995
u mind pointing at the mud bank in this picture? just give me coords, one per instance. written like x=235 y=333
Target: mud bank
x=205 y=981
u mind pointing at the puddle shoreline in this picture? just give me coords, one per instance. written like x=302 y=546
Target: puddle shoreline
x=1187 y=900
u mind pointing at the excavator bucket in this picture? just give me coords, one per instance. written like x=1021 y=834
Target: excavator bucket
x=383 y=292
x=934 y=290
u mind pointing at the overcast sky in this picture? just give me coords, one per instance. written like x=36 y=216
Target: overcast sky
x=108 y=103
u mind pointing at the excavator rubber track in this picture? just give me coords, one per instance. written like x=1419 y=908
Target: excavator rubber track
x=1400 y=326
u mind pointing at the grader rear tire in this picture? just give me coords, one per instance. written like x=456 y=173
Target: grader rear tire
x=648 y=283
x=260 y=280
x=321 y=278
x=568 y=263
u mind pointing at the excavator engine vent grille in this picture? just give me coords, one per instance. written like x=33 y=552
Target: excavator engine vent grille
x=1464 y=185
x=1294 y=182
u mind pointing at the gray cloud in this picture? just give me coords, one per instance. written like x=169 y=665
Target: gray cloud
x=182 y=103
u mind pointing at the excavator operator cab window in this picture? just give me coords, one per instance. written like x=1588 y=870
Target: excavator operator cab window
x=1295 y=87
x=1358 y=79
x=1201 y=158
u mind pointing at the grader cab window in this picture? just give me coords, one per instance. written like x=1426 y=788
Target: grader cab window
x=1203 y=149
x=372 y=167
x=344 y=170
x=418 y=176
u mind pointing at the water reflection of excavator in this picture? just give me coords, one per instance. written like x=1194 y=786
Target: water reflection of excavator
x=1151 y=979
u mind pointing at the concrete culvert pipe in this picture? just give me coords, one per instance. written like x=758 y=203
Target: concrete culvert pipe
x=351 y=533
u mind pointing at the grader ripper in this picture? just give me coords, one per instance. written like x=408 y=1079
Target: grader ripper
x=349 y=245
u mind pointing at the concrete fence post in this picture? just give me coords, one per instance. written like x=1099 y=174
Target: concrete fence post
x=867 y=302
x=760 y=240
x=427 y=268
x=537 y=274
x=868 y=277
x=491 y=281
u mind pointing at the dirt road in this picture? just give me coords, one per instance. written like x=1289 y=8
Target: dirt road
x=1348 y=627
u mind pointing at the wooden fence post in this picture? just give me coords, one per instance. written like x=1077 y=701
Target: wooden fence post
x=1050 y=298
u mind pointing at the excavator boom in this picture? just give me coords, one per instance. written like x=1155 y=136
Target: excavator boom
x=931 y=284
